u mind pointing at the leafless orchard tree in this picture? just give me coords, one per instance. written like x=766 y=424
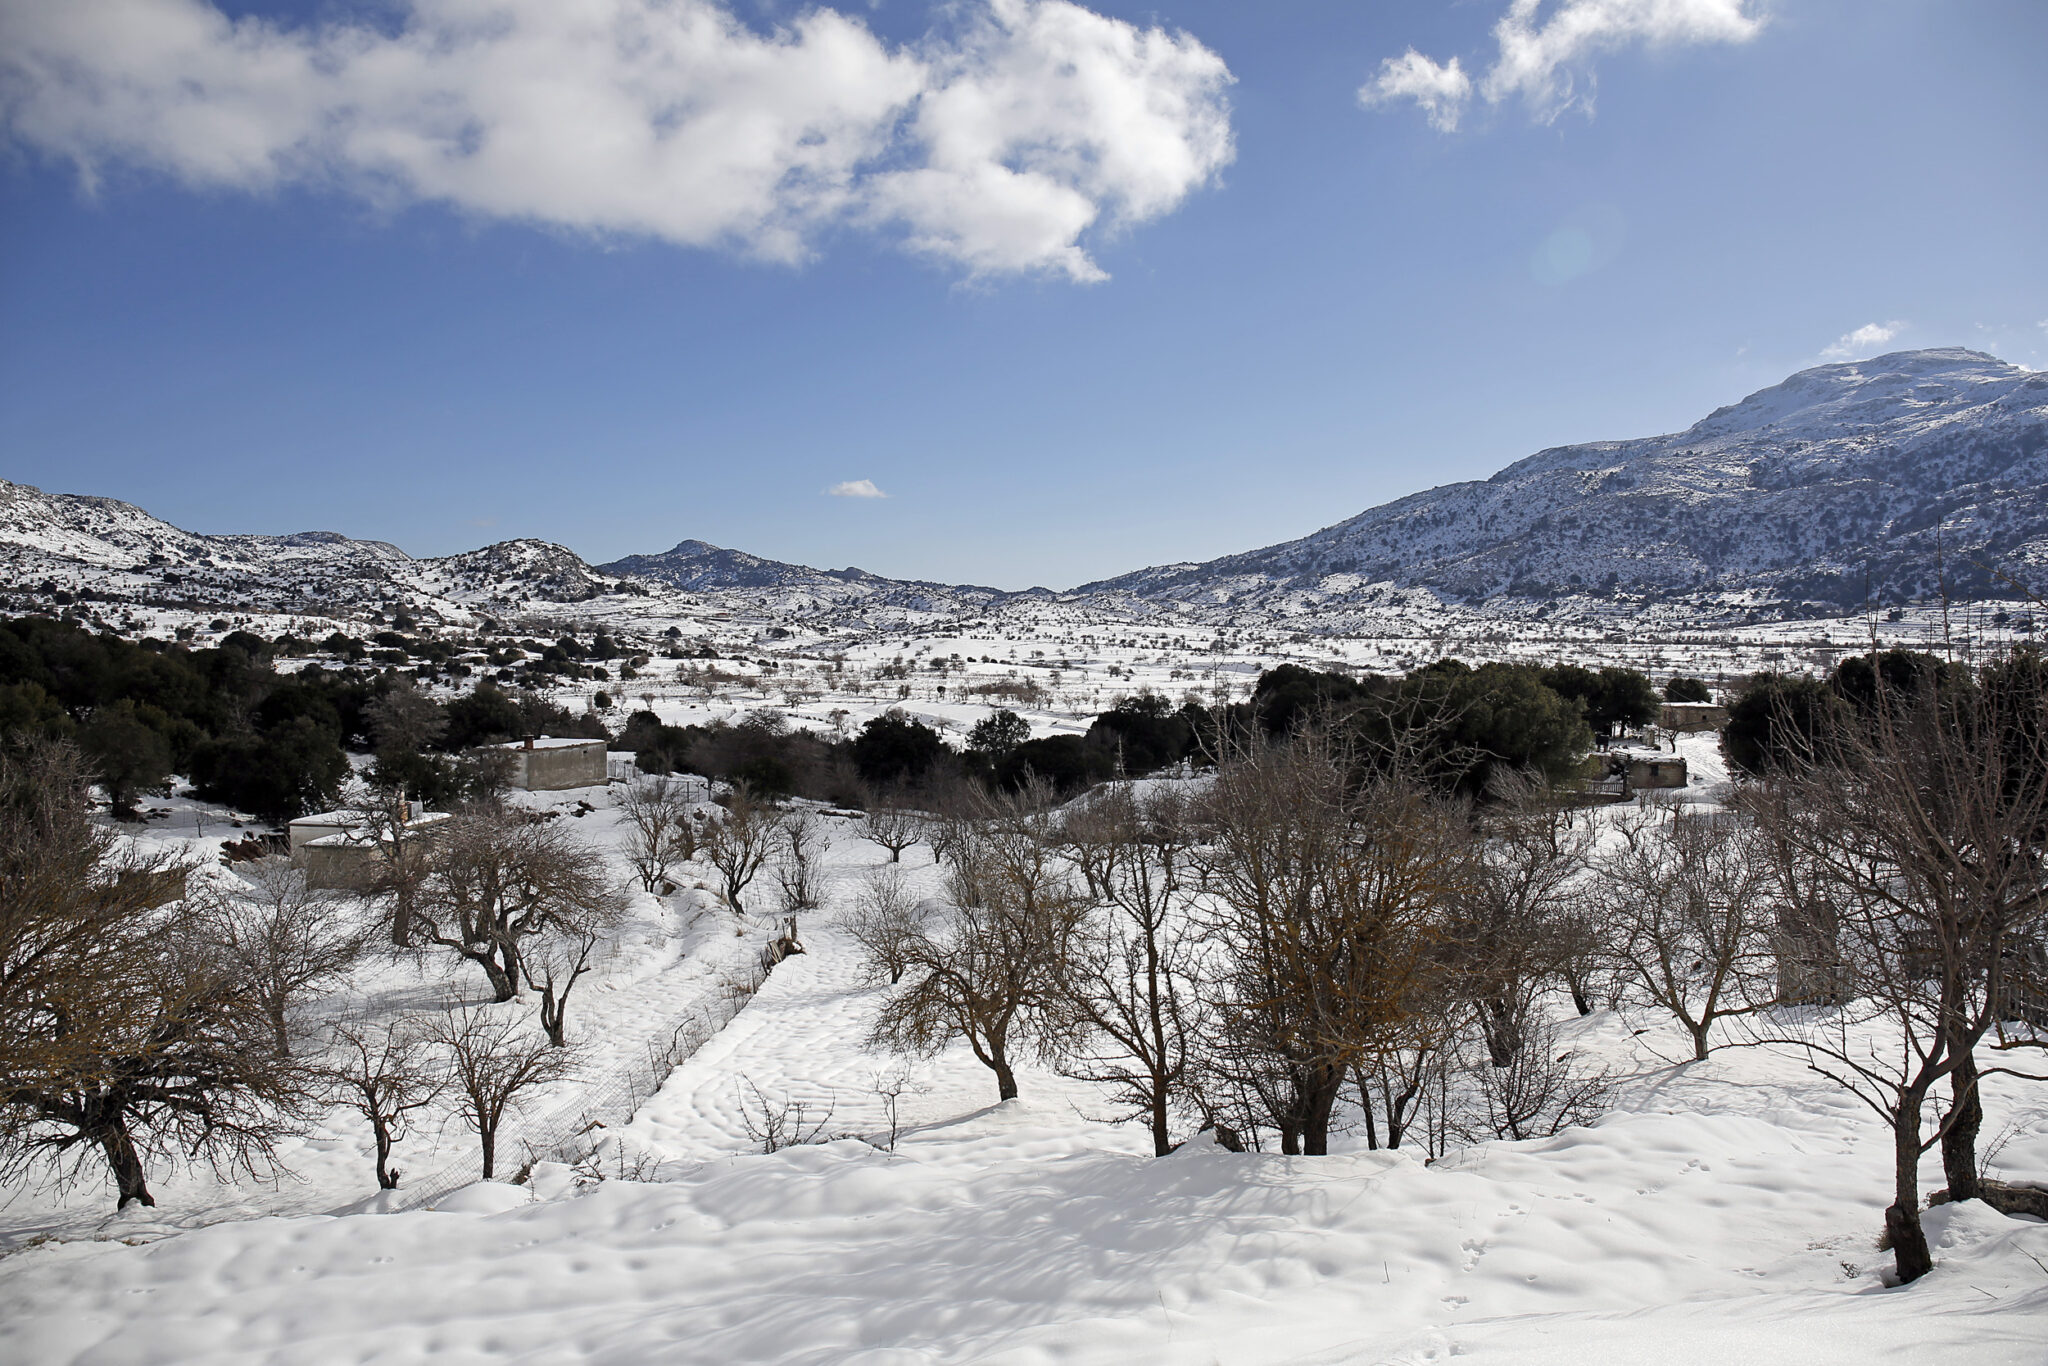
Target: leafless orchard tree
x=1541 y=1091
x=555 y=962
x=119 y=1039
x=1133 y=960
x=894 y=827
x=802 y=841
x=498 y=880
x=992 y=968
x=404 y=720
x=385 y=1071
x=397 y=875
x=740 y=843
x=1925 y=825
x=286 y=938
x=1329 y=900
x=884 y=922
x=1685 y=896
x=492 y=1061
x=1511 y=929
x=660 y=828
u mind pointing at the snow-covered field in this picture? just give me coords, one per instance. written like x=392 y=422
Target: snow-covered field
x=1723 y=1211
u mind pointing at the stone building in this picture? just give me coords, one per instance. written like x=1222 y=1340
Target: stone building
x=335 y=848
x=550 y=765
x=1687 y=717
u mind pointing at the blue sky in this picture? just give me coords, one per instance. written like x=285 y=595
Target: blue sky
x=1288 y=304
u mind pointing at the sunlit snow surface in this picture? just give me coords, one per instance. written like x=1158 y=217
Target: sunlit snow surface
x=1725 y=1212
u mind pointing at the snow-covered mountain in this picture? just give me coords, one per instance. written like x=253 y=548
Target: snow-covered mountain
x=1876 y=480
x=798 y=590
x=1882 y=481
x=102 y=549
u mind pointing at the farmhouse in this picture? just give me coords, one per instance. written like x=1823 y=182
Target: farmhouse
x=1688 y=717
x=334 y=848
x=549 y=765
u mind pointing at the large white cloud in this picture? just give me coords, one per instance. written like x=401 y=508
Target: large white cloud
x=999 y=145
x=1546 y=59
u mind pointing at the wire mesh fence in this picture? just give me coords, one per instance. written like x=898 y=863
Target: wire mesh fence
x=571 y=1131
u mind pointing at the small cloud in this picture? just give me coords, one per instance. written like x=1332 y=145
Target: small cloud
x=1863 y=341
x=1547 y=59
x=1441 y=89
x=856 y=488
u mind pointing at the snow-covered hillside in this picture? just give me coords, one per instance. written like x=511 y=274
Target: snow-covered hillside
x=1845 y=484
x=1723 y=1211
x=1888 y=481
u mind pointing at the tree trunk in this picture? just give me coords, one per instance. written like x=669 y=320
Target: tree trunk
x=1006 y=1080
x=1964 y=1120
x=552 y=1011
x=504 y=984
x=1580 y=1001
x=1372 y=1128
x=1503 y=1031
x=126 y=1164
x=401 y=918
x=488 y=1136
x=1325 y=1085
x=1162 y=1139
x=278 y=1027
x=1902 y=1220
x=1699 y=1042
x=387 y=1179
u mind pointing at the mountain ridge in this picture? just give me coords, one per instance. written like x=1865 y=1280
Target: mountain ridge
x=1861 y=482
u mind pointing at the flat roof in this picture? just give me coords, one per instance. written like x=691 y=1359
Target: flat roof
x=545 y=743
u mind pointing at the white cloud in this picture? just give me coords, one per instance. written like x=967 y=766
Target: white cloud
x=1441 y=89
x=1546 y=58
x=997 y=146
x=1863 y=341
x=856 y=488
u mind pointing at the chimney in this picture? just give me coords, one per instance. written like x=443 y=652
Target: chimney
x=529 y=742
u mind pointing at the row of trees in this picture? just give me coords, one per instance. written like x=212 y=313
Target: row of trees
x=1328 y=932
x=151 y=1008
x=271 y=744
x=1461 y=723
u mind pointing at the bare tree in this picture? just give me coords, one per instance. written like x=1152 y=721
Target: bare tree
x=555 y=962
x=894 y=827
x=802 y=843
x=498 y=880
x=1329 y=901
x=991 y=969
x=1686 y=896
x=493 y=1061
x=404 y=720
x=1925 y=824
x=1541 y=1091
x=118 y=1037
x=404 y=855
x=385 y=1071
x=660 y=831
x=283 y=936
x=1129 y=984
x=740 y=844
x=1511 y=929
x=885 y=922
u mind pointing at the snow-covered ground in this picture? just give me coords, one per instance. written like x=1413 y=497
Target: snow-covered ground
x=1722 y=1211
